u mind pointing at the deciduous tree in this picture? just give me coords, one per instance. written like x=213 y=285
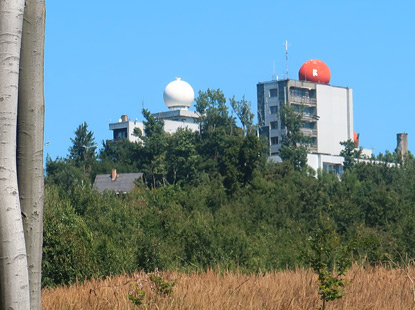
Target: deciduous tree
x=30 y=127
x=155 y=149
x=294 y=143
x=14 y=281
x=242 y=109
x=350 y=154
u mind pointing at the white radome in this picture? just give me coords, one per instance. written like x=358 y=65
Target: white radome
x=178 y=94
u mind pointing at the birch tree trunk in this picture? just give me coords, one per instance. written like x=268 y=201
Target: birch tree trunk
x=14 y=283
x=30 y=128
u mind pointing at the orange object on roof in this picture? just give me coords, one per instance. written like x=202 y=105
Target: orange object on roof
x=315 y=71
x=356 y=139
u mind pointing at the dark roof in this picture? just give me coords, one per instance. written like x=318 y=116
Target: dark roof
x=124 y=182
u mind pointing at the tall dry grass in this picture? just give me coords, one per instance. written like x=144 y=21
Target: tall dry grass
x=374 y=288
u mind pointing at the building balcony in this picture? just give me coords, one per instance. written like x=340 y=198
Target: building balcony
x=306 y=101
x=310 y=117
x=312 y=148
x=309 y=132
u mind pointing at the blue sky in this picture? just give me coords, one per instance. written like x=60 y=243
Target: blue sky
x=104 y=60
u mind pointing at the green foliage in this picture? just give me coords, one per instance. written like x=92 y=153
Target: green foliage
x=122 y=154
x=388 y=157
x=67 y=243
x=182 y=157
x=262 y=226
x=62 y=173
x=211 y=105
x=242 y=109
x=212 y=201
x=154 y=151
x=137 y=298
x=350 y=154
x=82 y=152
x=164 y=287
x=294 y=143
x=160 y=285
x=330 y=259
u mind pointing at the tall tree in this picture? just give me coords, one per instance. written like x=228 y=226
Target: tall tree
x=211 y=105
x=182 y=157
x=251 y=156
x=82 y=151
x=294 y=143
x=31 y=114
x=242 y=109
x=350 y=154
x=14 y=281
x=155 y=149
x=215 y=126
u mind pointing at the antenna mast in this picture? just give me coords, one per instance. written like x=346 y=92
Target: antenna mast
x=286 y=56
x=273 y=70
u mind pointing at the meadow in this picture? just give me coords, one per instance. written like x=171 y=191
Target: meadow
x=369 y=288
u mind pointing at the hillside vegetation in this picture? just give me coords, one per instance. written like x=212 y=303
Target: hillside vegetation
x=210 y=200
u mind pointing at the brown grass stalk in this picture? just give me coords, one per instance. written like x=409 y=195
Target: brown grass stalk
x=370 y=288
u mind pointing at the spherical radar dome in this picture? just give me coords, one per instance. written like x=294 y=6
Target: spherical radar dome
x=178 y=94
x=314 y=71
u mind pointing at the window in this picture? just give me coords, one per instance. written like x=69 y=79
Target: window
x=302 y=92
x=333 y=168
x=120 y=133
x=298 y=108
x=274 y=140
x=273 y=92
x=274 y=125
x=273 y=109
x=310 y=125
x=310 y=110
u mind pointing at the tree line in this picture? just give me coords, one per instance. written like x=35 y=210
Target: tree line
x=221 y=149
x=210 y=199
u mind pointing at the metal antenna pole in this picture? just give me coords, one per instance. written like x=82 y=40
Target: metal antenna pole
x=286 y=56
x=273 y=70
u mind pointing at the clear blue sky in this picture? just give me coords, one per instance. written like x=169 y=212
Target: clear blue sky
x=105 y=58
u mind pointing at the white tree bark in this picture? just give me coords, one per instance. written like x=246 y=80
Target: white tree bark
x=14 y=283
x=30 y=128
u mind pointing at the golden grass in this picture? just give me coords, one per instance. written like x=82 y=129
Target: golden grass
x=371 y=288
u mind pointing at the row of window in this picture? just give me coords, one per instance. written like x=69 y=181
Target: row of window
x=294 y=91
x=333 y=168
x=275 y=140
x=301 y=92
x=312 y=125
x=297 y=108
x=120 y=133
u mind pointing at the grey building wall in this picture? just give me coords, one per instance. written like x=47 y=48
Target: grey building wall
x=336 y=108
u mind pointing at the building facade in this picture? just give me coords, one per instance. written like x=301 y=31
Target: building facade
x=327 y=114
x=178 y=97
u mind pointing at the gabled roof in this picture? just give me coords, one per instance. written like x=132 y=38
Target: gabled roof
x=124 y=182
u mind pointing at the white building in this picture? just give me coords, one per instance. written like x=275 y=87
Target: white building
x=178 y=97
x=327 y=114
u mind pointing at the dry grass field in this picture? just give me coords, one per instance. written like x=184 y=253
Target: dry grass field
x=377 y=288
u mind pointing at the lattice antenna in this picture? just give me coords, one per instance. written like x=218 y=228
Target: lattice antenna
x=273 y=70
x=286 y=56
